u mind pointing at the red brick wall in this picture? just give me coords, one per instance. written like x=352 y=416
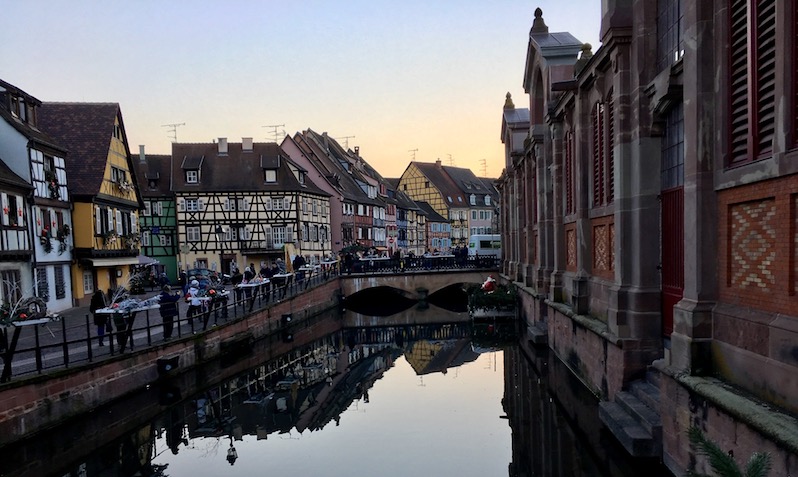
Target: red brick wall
x=603 y=240
x=571 y=256
x=758 y=243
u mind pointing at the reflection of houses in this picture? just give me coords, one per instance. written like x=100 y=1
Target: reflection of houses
x=158 y=218
x=428 y=356
x=103 y=189
x=36 y=235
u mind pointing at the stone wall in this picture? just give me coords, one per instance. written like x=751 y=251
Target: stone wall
x=30 y=405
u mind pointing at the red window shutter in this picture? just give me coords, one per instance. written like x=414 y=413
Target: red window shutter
x=598 y=155
x=569 y=173
x=765 y=80
x=610 y=146
x=738 y=82
x=795 y=76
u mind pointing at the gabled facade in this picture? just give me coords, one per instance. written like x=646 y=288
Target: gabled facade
x=242 y=203
x=38 y=159
x=455 y=193
x=355 y=192
x=158 y=217
x=104 y=193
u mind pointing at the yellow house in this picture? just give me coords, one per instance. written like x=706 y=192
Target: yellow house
x=104 y=194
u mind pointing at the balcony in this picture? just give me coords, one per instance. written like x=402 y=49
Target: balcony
x=260 y=246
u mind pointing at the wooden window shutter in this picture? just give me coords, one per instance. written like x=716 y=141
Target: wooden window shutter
x=6 y=211
x=765 y=81
x=109 y=215
x=181 y=205
x=794 y=37
x=119 y=229
x=598 y=155
x=569 y=173
x=98 y=223
x=201 y=204
x=738 y=82
x=794 y=83
x=610 y=156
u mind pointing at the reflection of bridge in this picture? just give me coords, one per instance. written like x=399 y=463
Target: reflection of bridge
x=417 y=285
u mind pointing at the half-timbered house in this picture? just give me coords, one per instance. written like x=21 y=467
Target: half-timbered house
x=431 y=183
x=16 y=249
x=241 y=203
x=103 y=190
x=39 y=160
x=356 y=194
x=158 y=218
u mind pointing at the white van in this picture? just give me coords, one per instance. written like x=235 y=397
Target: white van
x=485 y=245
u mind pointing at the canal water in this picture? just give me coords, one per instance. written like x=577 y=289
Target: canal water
x=443 y=399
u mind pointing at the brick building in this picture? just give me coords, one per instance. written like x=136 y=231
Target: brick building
x=652 y=218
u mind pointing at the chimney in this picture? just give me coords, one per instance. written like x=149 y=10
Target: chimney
x=438 y=162
x=246 y=144
x=222 y=146
x=326 y=140
x=142 y=156
x=357 y=151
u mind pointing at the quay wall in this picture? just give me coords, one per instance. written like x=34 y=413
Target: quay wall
x=30 y=405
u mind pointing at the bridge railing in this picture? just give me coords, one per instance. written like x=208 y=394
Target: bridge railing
x=73 y=340
x=384 y=265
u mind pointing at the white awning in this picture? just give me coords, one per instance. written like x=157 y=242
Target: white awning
x=114 y=262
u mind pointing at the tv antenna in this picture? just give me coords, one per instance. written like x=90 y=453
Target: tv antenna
x=346 y=140
x=413 y=151
x=173 y=129
x=276 y=132
x=484 y=163
x=451 y=159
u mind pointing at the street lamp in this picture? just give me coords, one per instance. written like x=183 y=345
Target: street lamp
x=220 y=241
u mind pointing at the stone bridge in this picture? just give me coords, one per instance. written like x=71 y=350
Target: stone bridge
x=417 y=285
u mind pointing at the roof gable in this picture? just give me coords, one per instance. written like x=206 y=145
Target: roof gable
x=86 y=129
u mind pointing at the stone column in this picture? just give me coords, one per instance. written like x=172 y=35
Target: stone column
x=558 y=239
x=692 y=316
x=545 y=197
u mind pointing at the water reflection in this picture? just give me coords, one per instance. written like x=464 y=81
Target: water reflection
x=434 y=399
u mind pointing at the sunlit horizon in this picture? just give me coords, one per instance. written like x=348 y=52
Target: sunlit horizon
x=403 y=82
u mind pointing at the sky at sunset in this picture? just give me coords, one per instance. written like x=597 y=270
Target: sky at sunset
x=397 y=75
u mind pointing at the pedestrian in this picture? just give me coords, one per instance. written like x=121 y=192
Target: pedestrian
x=194 y=303
x=281 y=265
x=299 y=262
x=100 y=319
x=169 y=310
x=348 y=262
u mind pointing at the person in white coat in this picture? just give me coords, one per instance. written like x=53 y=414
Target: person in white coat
x=194 y=303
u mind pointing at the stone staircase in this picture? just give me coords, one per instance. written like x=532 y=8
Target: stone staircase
x=633 y=417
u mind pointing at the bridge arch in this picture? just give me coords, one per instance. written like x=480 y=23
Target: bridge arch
x=417 y=286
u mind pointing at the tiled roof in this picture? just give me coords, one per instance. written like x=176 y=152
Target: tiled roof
x=86 y=130
x=238 y=170
x=32 y=132
x=432 y=216
x=441 y=180
x=333 y=158
x=156 y=167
